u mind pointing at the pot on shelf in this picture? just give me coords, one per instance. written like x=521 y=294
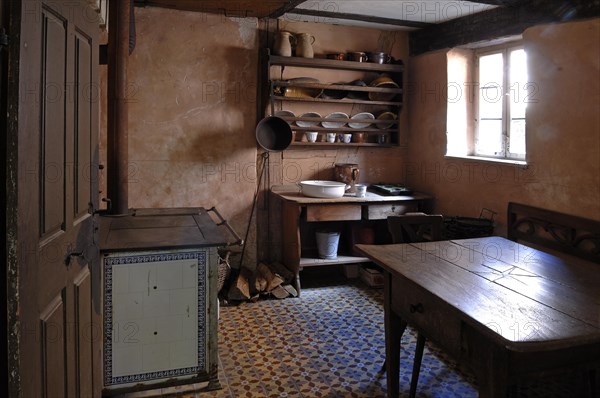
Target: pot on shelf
x=379 y=57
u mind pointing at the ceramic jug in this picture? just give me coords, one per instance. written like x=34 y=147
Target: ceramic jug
x=347 y=173
x=304 y=45
x=283 y=44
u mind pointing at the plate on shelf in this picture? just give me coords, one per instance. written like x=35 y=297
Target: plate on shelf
x=284 y=114
x=305 y=123
x=383 y=82
x=391 y=116
x=361 y=116
x=335 y=115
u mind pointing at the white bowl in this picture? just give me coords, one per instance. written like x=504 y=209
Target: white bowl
x=301 y=123
x=322 y=189
x=311 y=136
x=335 y=115
x=361 y=116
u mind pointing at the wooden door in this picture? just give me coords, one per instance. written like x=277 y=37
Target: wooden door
x=56 y=82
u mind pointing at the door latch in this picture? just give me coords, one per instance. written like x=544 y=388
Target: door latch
x=70 y=254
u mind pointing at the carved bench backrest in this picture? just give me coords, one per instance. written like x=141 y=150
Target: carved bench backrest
x=561 y=232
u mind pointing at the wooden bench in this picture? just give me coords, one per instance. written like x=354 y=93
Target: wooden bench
x=554 y=232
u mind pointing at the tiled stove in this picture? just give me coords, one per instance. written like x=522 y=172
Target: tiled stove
x=160 y=298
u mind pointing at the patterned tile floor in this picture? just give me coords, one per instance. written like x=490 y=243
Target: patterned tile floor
x=328 y=343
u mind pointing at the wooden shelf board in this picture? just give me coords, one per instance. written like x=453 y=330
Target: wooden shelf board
x=334 y=64
x=340 y=144
x=334 y=101
x=329 y=86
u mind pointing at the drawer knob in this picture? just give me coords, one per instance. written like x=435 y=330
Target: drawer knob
x=416 y=308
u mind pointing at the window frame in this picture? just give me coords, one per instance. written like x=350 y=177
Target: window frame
x=507 y=86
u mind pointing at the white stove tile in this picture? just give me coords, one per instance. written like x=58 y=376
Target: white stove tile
x=155 y=357
x=183 y=302
x=156 y=304
x=142 y=277
x=169 y=329
x=170 y=277
x=129 y=306
x=127 y=360
x=120 y=280
x=189 y=275
x=182 y=356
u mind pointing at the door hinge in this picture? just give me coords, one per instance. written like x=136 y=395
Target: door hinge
x=3 y=38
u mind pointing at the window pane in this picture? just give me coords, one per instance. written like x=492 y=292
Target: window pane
x=490 y=103
x=489 y=138
x=518 y=83
x=490 y=70
x=517 y=109
x=518 y=66
x=517 y=137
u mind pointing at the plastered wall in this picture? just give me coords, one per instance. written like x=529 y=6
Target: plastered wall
x=563 y=132
x=192 y=114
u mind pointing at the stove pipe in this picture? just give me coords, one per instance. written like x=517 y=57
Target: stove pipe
x=117 y=134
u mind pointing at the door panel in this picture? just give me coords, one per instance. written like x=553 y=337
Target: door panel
x=57 y=152
x=52 y=322
x=83 y=119
x=53 y=101
x=83 y=333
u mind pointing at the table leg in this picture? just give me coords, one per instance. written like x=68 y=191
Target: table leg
x=493 y=382
x=414 y=381
x=394 y=329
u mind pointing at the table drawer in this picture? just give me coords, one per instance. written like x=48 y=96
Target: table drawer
x=350 y=212
x=427 y=313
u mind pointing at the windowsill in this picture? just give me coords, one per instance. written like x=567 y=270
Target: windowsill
x=491 y=160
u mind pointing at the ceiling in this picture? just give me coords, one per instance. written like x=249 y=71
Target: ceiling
x=432 y=24
x=380 y=14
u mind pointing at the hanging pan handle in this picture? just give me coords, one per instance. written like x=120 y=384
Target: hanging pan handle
x=238 y=240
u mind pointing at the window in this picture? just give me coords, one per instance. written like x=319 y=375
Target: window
x=501 y=102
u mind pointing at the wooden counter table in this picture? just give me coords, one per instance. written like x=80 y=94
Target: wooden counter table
x=504 y=309
x=297 y=210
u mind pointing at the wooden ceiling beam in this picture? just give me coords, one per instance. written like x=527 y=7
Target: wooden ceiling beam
x=499 y=22
x=288 y=7
x=504 y=3
x=358 y=17
x=228 y=8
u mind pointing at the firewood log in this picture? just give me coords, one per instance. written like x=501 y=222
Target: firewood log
x=240 y=289
x=282 y=271
x=273 y=280
x=260 y=283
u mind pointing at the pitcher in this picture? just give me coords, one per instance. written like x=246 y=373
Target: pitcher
x=304 y=42
x=347 y=173
x=283 y=43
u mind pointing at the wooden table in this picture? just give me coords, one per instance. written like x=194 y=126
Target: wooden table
x=297 y=210
x=505 y=310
